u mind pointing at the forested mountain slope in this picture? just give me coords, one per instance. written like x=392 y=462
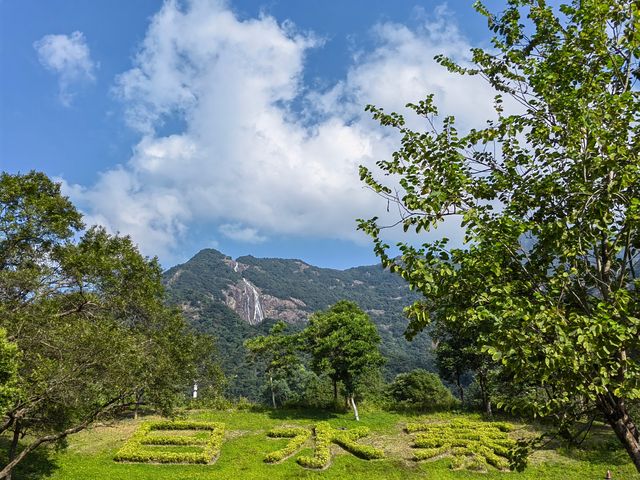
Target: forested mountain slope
x=238 y=299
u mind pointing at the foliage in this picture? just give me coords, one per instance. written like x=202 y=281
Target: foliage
x=279 y=350
x=421 y=390
x=343 y=343
x=459 y=355
x=86 y=313
x=9 y=363
x=472 y=445
x=550 y=199
x=298 y=436
x=317 y=392
x=133 y=450
x=209 y=376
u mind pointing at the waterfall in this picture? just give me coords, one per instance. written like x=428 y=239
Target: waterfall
x=258 y=314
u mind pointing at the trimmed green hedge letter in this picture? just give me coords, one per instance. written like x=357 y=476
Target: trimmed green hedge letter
x=471 y=445
x=326 y=435
x=298 y=436
x=147 y=446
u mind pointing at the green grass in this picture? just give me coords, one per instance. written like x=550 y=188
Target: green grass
x=89 y=455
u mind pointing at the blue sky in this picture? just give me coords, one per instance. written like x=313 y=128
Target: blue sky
x=236 y=125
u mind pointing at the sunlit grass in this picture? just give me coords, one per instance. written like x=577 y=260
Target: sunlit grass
x=90 y=454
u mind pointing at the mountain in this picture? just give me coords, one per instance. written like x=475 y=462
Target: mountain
x=238 y=299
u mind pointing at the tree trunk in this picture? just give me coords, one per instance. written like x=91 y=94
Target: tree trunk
x=273 y=395
x=487 y=408
x=460 y=389
x=138 y=401
x=355 y=409
x=335 y=391
x=626 y=430
x=14 y=447
x=6 y=471
x=486 y=400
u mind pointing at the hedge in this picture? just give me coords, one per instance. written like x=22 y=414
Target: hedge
x=326 y=435
x=133 y=451
x=322 y=452
x=298 y=436
x=471 y=445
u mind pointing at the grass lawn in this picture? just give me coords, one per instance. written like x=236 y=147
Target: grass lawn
x=89 y=455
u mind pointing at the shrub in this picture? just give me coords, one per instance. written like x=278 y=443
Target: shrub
x=133 y=450
x=421 y=390
x=471 y=445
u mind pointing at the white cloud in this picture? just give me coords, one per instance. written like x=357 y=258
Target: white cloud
x=247 y=158
x=235 y=231
x=69 y=57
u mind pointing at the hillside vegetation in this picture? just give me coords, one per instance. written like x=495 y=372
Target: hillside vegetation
x=198 y=286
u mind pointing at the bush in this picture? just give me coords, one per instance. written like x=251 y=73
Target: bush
x=133 y=450
x=421 y=390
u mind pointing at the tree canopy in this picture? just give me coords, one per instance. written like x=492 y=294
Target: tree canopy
x=279 y=350
x=344 y=344
x=549 y=196
x=85 y=321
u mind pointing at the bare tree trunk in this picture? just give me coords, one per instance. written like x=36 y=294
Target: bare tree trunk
x=335 y=391
x=355 y=409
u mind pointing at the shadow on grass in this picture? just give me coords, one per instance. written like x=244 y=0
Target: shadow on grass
x=38 y=464
x=600 y=447
x=606 y=457
x=301 y=414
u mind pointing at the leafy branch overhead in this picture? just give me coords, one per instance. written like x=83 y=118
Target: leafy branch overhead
x=548 y=193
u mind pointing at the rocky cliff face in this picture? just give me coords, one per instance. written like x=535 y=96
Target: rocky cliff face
x=253 y=306
x=237 y=299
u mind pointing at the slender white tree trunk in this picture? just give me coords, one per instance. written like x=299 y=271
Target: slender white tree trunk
x=273 y=395
x=355 y=409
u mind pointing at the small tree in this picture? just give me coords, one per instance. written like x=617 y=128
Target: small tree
x=550 y=198
x=459 y=352
x=344 y=344
x=279 y=350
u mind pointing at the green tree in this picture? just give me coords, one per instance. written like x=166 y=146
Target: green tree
x=280 y=351
x=550 y=199
x=344 y=344
x=459 y=352
x=85 y=312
